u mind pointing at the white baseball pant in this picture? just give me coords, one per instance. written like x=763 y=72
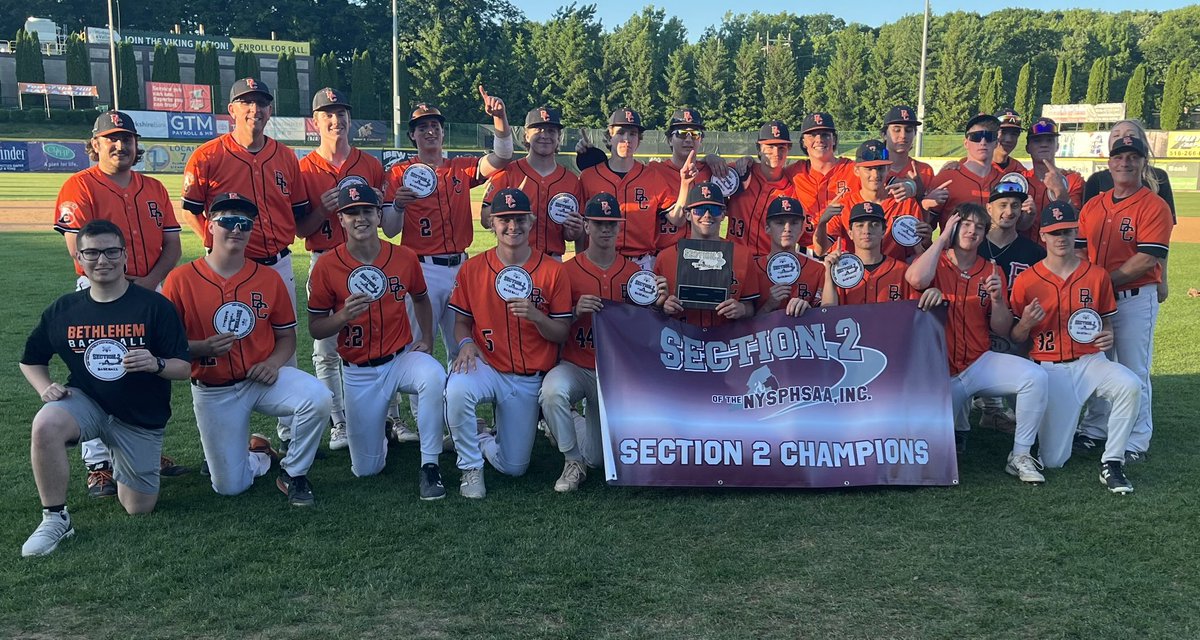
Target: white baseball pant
x=516 y=400
x=284 y=268
x=566 y=384
x=223 y=417
x=327 y=364
x=1071 y=384
x=1000 y=374
x=439 y=283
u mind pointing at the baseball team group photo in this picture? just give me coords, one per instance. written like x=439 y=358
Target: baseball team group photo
x=474 y=327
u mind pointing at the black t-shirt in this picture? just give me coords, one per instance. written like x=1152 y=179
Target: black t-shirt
x=1019 y=255
x=91 y=337
x=1102 y=181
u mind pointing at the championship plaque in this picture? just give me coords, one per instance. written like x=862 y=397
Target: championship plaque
x=642 y=288
x=783 y=268
x=513 y=283
x=704 y=273
x=1084 y=325
x=904 y=231
x=848 y=271
x=421 y=179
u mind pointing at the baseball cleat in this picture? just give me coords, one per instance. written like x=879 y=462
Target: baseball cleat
x=1003 y=420
x=399 y=432
x=1087 y=443
x=472 y=484
x=337 y=437
x=168 y=468
x=960 y=442
x=262 y=444
x=1112 y=475
x=573 y=475
x=1134 y=457
x=1025 y=467
x=429 y=479
x=100 y=483
x=55 y=527
x=298 y=490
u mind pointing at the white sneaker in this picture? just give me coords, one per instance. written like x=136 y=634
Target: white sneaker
x=472 y=484
x=400 y=431
x=55 y=528
x=544 y=427
x=573 y=475
x=1025 y=467
x=337 y=437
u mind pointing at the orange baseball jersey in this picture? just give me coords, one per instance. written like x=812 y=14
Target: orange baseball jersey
x=838 y=228
x=668 y=234
x=271 y=178
x=964 y=186
x=747 y=213
x=808 y=287
x=588 y=279
x=644 y=194
x=924 y=176
x=1041 y=198
x=815 y=190
x=883 y=282
x=252 y=304
x=1011 y=165
x=441 y=222
x=970 y=308
x=510 y=344
x=745 y=287
x=546 y=234
x=1113 y=232
x=142 y=210
x=320 y=176
x=1088 y=287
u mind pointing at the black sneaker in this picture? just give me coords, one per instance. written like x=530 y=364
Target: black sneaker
x=1087 y=443
x=299 y=492
x=204 y=468
x=960 y=441
x=1113 y=477
x=1134 y=457
x=430 y=481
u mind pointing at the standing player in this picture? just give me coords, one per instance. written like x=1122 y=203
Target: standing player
x=785 y=224
x=824 y=177
x=514 y=309
x=972 y=178
x=140 y=207
x=978 y=302
x=122 y=346
x=705 y=205
x=357 y=298
x=438 y=227
x=333 y=165
x=241 y=331
x=899 y=133
x=767 y=179
x=1047 y=182
x=685 y=135
x=1066 y=305
x=883 y=276
x=1127 y=231
x=596 y=275
x=1007 y=138
x=646 y=197
x=554 y=192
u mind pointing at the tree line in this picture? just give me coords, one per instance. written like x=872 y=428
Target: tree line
x=748 y=68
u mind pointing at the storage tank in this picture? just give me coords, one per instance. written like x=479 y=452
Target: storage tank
x=45 y=28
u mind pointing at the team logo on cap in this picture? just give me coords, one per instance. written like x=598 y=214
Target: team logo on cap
x=116 y=119
x=605 y=207
x=233 y=196
x=868 y=207
x=1057 y=213
x=904 y=115
x=775 y=131
x=687 y=116
x=330 y=95
x=785 y=205
x=544 y=114
x=353 y=193
x=510 y=201
x=706 y=192
x=252 y=83
x=628 y=115
x=818 y=119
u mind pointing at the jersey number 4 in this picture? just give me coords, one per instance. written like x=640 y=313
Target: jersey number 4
x=584 y=340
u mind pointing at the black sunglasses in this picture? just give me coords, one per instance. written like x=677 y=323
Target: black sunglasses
x=241 y=223
x=982 y=136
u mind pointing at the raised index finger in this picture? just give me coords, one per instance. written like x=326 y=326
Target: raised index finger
x=483 y=92
x=945 y=184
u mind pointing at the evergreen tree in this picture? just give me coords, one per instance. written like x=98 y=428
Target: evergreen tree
x=954 y=87
x=288 y=101
x=991 y=90
x=245 y=65
x=1026 y=93
x=747 y=112
x=165 y=65
x=1060 y=91
x=127 y=78
x=713 y=87
x=449 y=70
x=362 y=87
x=679 y=80
x=1174 y=95
x=1135 y=94
x=781 y=85
x=206 y=70
x=1098 y=87
x=29 y=61
x=79 y=69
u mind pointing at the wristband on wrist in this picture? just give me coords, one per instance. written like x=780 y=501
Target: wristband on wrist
x=503 y=147
x=464 y=341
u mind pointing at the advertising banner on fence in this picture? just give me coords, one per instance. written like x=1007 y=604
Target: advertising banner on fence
x=14 y=156
x=190 y=126
x=150 y=124
x=75 y=90
x=57 y=156
x=1077 y=113
x=839 y=397
x=1183 y=144
x=166 y=157
x=181 y=41
x=361 y=132
x=286 y=129
x=271 y=47
x=172 y=96
x=1183 y=175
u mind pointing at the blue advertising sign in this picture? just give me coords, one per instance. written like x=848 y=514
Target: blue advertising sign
x=14 y=156
x=191 y=126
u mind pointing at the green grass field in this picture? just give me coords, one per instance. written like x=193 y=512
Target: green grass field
x=989 y=558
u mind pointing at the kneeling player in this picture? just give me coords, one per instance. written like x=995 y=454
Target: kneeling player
x=357 y=292
x=974 y=289
x=514 y=309
x=241 y=330
x=785 y=226
x=1064 y=292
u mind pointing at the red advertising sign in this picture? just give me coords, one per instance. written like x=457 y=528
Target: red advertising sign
x=187 y=98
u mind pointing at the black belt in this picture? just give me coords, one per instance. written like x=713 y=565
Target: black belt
x=530 y=375
x=1128 y=292
x=375 y=362
x=215 y=385
x=444 y=260
x=272 y=260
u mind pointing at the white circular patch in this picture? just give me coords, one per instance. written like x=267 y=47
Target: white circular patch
x=367 y=280
x=514 y=283
x=103 y=359
x=1017 y=178
x=783 y=268
x=421 y=179
x=727 y=184
x=1084 y=325
x=351 y=180
x=234 y=317
x=561 y=206
x=642 y=288
x=904 y=231
x=848 y=271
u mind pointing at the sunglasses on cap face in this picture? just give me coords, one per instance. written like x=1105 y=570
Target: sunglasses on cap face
x=1040 y=128
x=1009 y=187
x=713 y=210
x=111 y=253
x=982 y=136
x=241 y=223
x=684 y=134
x=872 y=155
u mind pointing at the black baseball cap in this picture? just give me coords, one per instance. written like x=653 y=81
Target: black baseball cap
x=686 y=118
x=1009 y=119
x=981 y=118
x=329 y=97
x=1004 y=189
x=901 y=114
x=624 y=117
x=872 y=153
x=867 y=211
x=356 y=194
x=817 y=121
x=1059 y=215
x=113 y=122
x=785 y=207
x=774 y=132
x=1128 y=143
x=510 y=202
x=703 y=193
x=544 y=116
x=234 y=202
x=1042 y=127
x=423 y=111
x=247 y=86
x=602 y=206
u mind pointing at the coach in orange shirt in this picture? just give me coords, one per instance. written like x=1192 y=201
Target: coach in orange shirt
x=241 y=331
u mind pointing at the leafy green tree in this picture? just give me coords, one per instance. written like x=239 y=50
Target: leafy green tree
x=712 y=81
x=954 y=85
x=680 y=84
x=1026 y=95
x=893 y=68
x=1135 y=94
x=165 y=65
x=781 y=85
x=1060 y=91
x=991 y=90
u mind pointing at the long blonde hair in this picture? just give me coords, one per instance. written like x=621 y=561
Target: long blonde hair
x=1147 y=174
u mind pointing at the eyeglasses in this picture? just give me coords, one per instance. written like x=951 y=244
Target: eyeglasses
x=982 y=136
x=713 y=210
x=684 y=134
x=92 y=255
x=1008 y=187
x=241 y=223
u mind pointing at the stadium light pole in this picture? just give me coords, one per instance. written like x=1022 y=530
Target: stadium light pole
x=112 y=57
x=395 y=77
x=921 y=83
